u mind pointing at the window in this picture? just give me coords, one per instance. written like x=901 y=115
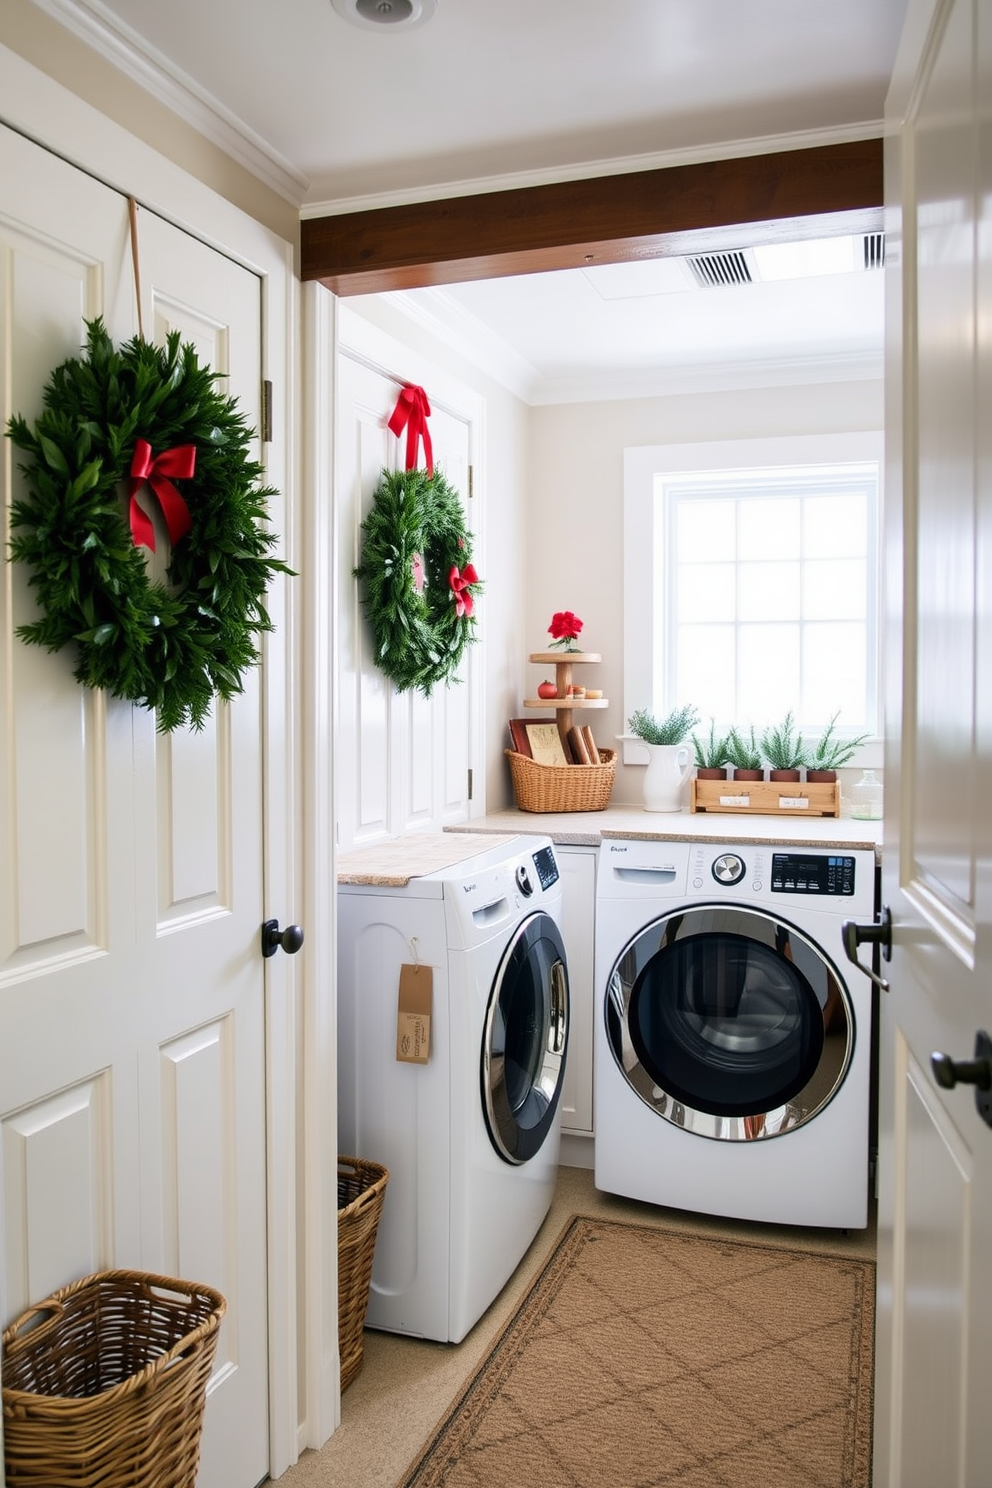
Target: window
x=751 y=572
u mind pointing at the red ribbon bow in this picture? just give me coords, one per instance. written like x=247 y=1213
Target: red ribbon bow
x=172 y=464
x=464 y=602
x=411 y=412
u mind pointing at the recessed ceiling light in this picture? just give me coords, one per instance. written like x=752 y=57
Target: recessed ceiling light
x=386 y=15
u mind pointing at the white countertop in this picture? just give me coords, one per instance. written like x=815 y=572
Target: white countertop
x=588 y=828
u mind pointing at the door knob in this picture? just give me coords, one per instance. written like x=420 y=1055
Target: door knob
x=274 y=939
x=878 y=933
x=950 y=1072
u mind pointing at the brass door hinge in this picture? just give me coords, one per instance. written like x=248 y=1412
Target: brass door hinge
x=266 y=431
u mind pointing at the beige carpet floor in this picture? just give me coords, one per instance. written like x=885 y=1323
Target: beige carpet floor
x=408 y=1387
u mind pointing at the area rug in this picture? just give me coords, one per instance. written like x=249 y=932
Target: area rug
x=643 y=1358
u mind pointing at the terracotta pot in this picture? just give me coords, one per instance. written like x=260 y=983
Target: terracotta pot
x=749 y=774
x=783 y=775
x=821 y=777
x=710 y=772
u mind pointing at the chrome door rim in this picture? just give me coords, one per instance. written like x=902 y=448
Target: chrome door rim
x=513 y=1142
x=715 y=919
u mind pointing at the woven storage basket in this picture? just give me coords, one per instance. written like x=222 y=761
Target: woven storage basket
x=562 y=787
x=361 y=1190
x=104 y=1383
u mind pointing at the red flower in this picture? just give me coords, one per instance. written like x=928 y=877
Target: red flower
x=564 y=625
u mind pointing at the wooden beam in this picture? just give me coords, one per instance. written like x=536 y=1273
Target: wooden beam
x=609 y=219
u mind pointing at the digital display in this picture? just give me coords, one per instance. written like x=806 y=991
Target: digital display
x=547 y=867
x=812 y=873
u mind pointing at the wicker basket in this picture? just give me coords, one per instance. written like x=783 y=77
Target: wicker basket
x=562 y=787
x=109 y=1387
x=361 y=1190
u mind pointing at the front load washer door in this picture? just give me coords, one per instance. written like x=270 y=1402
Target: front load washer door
x=729 y=1022
x=525 y=1040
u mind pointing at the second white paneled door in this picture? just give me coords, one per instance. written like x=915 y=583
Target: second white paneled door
x=132 y=1060
x=402 y=760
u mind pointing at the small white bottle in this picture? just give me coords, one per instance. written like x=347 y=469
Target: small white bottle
x=866 y=797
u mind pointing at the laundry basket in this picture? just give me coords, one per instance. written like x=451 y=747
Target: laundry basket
x=105 y=1381
x=361 y=1190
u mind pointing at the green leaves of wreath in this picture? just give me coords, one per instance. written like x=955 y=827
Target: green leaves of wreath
x=417 y=579
x=173 y=645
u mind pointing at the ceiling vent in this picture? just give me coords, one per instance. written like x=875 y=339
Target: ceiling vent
x=718 y=270
x=874 y=249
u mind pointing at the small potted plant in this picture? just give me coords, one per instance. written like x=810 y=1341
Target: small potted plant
x=825 y=757
x=744 y=754
x=782 y=746
x=669 y=757
x=711 y=754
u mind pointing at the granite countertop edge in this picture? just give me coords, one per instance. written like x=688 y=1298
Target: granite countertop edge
x=590 y=828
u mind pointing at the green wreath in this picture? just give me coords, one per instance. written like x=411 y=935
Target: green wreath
x=172 y=645
x=418 y=579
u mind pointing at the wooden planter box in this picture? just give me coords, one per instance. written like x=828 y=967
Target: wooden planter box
x=765 y=797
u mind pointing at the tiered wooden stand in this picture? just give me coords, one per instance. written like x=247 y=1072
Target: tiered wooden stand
x=766 y=797
x=552 y=788
x=563 y=706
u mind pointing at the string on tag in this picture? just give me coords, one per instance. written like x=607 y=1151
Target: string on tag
x=132 y=209
x=413 y=948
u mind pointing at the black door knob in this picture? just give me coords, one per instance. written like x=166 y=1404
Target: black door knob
x=879 y=933
x=274 y=939
x=950 y=1072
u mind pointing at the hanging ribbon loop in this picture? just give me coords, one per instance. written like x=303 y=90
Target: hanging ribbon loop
x=411 y=413
x=160 y=472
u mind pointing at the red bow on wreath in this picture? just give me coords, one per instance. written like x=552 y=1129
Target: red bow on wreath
x=460 y=582
x=412 y=412
x=179 y=464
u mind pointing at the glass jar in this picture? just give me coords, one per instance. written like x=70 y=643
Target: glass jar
x=866 y=797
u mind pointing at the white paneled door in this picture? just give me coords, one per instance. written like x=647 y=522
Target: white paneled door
x=933 y=1423
x=403 y=759
x=132 y=1076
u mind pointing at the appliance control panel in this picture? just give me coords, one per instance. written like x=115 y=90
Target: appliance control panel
x=547 y=867
x=812 y=873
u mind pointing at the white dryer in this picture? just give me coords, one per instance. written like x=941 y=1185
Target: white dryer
x=732 y=1058
x=471 y=1138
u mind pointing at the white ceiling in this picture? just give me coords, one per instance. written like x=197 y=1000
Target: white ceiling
x=497 y=93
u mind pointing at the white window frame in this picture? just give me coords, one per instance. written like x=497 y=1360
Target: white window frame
x=644 y=540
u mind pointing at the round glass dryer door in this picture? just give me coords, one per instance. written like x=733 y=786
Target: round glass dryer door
x=525 y=1039
x=729 y=1022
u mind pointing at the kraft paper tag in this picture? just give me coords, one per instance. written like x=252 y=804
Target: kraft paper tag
x=413 y=1017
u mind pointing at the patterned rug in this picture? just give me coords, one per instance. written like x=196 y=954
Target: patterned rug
x=643 y=1358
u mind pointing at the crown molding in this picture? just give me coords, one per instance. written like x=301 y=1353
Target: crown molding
x=126 y=50
x=709 y=377
x=769 y=144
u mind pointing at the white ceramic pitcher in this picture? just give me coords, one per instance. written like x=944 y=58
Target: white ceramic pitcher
x=666 y=774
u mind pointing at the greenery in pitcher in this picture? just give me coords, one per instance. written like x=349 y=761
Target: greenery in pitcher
x=669 y=730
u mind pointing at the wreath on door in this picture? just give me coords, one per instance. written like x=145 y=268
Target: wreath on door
x=418 y=580
x=148 y=421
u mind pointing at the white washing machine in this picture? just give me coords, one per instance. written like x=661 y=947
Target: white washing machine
x=732 y=1057
x=471 y=1138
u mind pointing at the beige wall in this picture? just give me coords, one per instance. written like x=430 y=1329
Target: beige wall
x=572 y=555
x=48 y=46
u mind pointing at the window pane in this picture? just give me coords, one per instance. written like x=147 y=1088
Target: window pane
x=705 y=531
x=769 y=527
x=767 y=672
x=836 y=589
x=769 y=591
x=706 y=591
x=834 y=671
x=705 y=669
x=836 y=526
